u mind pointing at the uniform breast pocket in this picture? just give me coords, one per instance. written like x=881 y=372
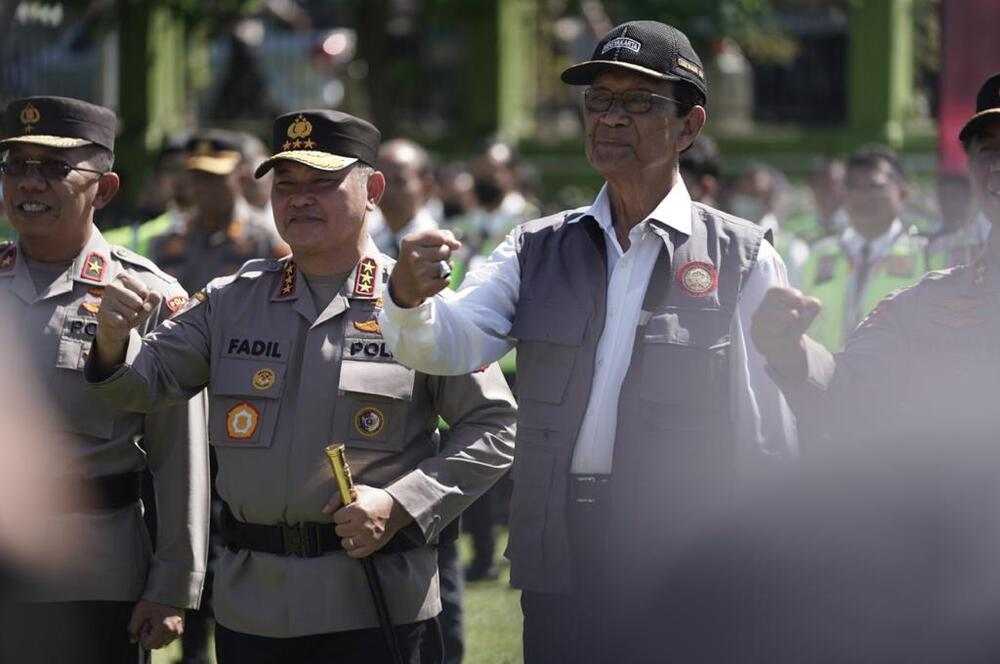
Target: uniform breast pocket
x=549 y=337
x=685 y=359
x=82 y=412
x=246 y=397
x=372 y=404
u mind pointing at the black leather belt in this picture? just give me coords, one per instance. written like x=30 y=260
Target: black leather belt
x=306 y=540
x=589 y=490
x=101 y=493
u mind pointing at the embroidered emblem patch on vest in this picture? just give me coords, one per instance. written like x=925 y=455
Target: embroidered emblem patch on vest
x=263 y=379
x=369 y=421
x=698 y=279
x=242 y=420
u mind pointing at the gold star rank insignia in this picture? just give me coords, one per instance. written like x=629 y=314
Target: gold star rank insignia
x=364 y=282
x=94 y=267
x=286 y=285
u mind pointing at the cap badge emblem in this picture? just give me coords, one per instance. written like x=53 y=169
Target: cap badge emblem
x=299 y=129
x=29 y=117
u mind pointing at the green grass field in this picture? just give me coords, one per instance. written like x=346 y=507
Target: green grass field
x=492 y=620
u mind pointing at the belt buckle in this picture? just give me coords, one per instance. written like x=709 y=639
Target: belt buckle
x=300 y=540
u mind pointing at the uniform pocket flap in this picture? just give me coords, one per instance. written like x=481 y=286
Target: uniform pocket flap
x=698 y=328
x=379 y=378
x=249 y=378
x=551 y=322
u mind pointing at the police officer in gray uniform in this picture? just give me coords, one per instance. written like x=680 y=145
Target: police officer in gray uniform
x=56 y=174
x=640 y=404
x=293 y=356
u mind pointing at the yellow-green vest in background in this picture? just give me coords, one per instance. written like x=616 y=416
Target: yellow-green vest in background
x=827 y=276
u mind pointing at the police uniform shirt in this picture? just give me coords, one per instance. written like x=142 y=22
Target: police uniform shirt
x=286 y=380
x=56 y=324
x=853 y=245
x=452 y=333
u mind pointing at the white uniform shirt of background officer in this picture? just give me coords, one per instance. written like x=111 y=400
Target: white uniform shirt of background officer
x=639 y=149
x=322 y=213
x=53 y=215
x=983 y=149
x=876 y=193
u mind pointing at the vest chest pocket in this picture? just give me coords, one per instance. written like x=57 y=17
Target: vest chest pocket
x=246 y=396
x=684 y=359
x=549 y=335
x=373 y=405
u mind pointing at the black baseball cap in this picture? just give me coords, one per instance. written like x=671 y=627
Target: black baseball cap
x=214 y=151
x=58 y=122
x=327 y=140
x=987 y=107
x=650 y=48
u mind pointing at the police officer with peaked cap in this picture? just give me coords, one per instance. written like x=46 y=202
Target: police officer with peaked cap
x=293 y=357
x=57 y=172
x=640 y=402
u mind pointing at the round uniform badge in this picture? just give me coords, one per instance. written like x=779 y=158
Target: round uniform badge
x=369 y=421
x=698 y=279
x=242 y=420
x=263 y=379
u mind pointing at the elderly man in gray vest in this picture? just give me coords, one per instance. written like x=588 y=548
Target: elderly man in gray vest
x=642 y=404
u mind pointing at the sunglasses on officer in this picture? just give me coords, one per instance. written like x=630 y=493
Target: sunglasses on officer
x=637 y=102
x=50 y=169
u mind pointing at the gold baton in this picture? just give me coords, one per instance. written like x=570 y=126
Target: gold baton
x=341 y=471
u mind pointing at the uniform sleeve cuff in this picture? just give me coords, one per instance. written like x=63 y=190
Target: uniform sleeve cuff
x=414 y=316
x=174 y=586
x=418 y=495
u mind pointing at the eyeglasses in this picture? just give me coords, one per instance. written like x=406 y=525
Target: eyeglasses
x=50 y=169
x=598 y=100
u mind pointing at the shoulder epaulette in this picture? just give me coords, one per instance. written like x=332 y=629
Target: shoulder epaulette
x=126 y=255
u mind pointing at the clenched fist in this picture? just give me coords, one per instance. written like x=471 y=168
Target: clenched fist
x=126 y=304
x=420 y=272
x=779 y=325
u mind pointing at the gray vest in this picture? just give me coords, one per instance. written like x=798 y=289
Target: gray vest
x=674 y=450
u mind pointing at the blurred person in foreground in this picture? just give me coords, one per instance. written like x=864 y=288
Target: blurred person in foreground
x=912 y=401
x=57 y=172
x=877 y=254
x=293 y=359
x=222 y=231
x=641 y=404
x=962 y=231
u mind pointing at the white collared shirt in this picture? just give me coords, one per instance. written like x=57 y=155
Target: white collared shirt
x=454 y=333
